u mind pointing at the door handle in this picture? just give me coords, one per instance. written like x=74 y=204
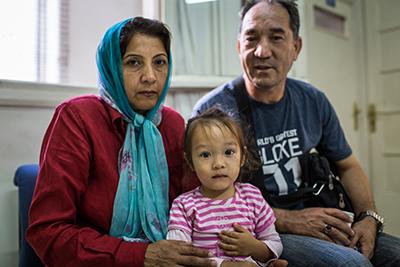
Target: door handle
x=372 y=118
x=356 y=113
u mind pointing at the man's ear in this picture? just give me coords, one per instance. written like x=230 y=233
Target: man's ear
x=188 y=162
x=298 y=44
x=238 y=45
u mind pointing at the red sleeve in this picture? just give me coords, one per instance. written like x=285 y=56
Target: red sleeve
x=61 y=231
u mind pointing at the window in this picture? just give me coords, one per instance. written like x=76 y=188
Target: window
x=30 y=34
x=204 y=37
x=329 y=21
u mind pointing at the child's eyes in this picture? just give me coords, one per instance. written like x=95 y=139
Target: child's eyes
x=205 y=154
x=229 y=152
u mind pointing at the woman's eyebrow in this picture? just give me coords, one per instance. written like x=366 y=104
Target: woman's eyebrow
x=132 y=55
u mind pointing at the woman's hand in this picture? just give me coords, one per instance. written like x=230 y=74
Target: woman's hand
x=170 y=253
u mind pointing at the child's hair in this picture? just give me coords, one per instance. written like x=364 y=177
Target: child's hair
x=216 y=117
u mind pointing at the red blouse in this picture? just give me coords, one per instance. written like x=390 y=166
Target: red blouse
x=72 y=206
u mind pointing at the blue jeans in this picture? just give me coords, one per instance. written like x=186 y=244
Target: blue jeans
x=308 y=251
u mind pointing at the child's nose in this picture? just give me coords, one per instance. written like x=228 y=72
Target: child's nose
x=219 y=162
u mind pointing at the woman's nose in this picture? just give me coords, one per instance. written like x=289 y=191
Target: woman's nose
x=148 y=75
x=263 y=49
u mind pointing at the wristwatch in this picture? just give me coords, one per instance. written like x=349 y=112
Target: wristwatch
x=378 y=219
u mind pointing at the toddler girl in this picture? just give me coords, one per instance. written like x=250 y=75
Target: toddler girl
x=229 y=218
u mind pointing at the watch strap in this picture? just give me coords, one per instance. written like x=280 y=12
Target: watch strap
x=378 y=219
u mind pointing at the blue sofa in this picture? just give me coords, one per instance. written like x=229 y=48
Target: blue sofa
x=25 y=180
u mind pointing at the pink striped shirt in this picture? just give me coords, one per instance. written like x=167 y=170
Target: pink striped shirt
x=203 y=218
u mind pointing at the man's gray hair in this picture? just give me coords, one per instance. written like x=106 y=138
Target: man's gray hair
x=289 y=5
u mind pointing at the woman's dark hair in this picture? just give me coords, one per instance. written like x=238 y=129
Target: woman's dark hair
x=145 y=26
x=289 y=5
x=216 y=117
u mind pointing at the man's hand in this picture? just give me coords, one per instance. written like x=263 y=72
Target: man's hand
x=167 y=253
x=324 y=223
x=241 y=242
x=364 y=237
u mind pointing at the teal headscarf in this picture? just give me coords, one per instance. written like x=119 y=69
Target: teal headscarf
x=141 y=202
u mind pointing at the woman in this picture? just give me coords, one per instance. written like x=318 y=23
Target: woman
x=106 y=162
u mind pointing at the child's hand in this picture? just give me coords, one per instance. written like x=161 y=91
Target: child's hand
x=240 y=243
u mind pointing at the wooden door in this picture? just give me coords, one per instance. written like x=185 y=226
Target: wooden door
x=383 y=55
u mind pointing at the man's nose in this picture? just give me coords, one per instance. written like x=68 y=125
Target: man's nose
x=263 y=49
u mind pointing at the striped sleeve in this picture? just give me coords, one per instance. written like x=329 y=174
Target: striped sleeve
x=265 y=228
x=178 y=235
x=179 y=217
x=265 y=216
x=271 y=239
x=264 y=220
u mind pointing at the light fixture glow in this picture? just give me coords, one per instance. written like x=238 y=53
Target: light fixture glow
x=197 y=1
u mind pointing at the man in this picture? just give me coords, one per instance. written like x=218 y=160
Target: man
x=290 y=117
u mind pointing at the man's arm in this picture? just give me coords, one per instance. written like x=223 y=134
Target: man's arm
x=356 y=183
x=357 y=186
